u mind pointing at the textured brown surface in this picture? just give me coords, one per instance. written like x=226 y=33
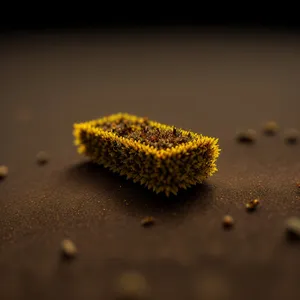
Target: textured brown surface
x=214 y=85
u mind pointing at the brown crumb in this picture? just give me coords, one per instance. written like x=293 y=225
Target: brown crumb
x=3 y=171
x=68 y=248
x=252 y=205
x=292 y=136
x=147 y=221
x=228 y=221
x=248 y=136
x=42 y=158
x=271 y=128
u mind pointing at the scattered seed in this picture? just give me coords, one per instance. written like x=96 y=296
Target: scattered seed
x=148 y=221
x=42 y=158
x=228 y=221
x=132 y=285
x=3 y=172
x=69 y=249
x=248 y=136
x=293 y=227
x=292 y=136
x=298 y=185
x=252 y=205
x=270 y=128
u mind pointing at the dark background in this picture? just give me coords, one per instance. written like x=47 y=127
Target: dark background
x=120 y=16
x=210 y=74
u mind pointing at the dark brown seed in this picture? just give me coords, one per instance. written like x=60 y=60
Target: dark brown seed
x=271 y=128
x=252 y=205
x=147 y=221
x=68 y=248
x=42 y=158
x=153 y=138
x=248 y=136
x=3 y=172
x=292 y=136
x=228 y=221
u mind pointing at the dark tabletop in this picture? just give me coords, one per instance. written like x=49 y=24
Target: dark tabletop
x=213 y=84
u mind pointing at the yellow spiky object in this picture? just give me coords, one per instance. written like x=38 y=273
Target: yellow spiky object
x=187 y=158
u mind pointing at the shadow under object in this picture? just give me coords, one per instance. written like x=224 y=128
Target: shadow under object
x=139 y=200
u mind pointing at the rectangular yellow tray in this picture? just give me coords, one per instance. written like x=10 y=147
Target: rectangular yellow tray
x=163 y=158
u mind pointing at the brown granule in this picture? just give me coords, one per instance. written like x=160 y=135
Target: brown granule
x=248 y=136
x=3 y=172
x=42 y=158
x=69 y=250
x=147 y=221
x=271 y=128
x=291 y=136
x=228 y=221
x=252 y=205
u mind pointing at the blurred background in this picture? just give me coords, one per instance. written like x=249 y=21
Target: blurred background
x=212 y=70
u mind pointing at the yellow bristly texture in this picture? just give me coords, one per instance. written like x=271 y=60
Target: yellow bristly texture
x=161 y=170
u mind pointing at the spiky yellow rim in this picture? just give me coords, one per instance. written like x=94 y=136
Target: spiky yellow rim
x=198 y=145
